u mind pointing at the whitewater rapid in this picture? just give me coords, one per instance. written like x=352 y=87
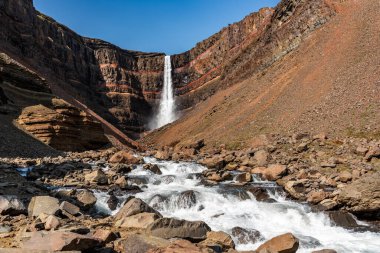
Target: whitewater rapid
x=223 y=209
x=166 y=111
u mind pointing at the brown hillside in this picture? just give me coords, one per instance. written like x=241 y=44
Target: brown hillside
x=330 y=83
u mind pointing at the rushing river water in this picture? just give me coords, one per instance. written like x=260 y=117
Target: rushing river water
x=222 y=209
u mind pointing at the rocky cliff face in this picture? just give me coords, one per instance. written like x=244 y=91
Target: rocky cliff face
x=124 y=86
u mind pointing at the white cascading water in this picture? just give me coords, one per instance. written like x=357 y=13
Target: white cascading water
x=166 y=111
x=222 y=209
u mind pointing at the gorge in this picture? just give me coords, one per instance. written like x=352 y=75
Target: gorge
x=263 y=138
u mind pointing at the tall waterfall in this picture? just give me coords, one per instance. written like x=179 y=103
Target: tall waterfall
x=166 y=113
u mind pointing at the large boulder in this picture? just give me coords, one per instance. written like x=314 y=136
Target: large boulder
x=11 y=206
x=134 y=206
x=286 y=243
x=86 y=199
x=182 y=246
x=221 y=239
x=172 y=228
x=141 y=220
x=125 y=157
x=43 y=204
x=272 y=173
x=60 y=241
x=362 y=197
x=135 y=243
x=246 y=236
x=96 y=177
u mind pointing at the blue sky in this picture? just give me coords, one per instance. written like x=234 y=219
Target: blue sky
x=169 y=26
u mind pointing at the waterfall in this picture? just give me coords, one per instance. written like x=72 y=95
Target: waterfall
x=166 y=111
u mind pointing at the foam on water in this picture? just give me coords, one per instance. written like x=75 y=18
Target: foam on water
x=223 y=211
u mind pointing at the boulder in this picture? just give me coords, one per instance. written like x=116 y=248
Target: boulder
x=43 y=204
x=86 y=199
x=345 y=176
x=136 y=243
x=244 y=178
x=172 y=228
x=105 y=235
x=122 y=182
x=362 y=197
x=112 y=202
x=67 y=207
x=125 y=157
x=272 y=173
x=215 y=162
x=11 y=206
x=181 y=246
x=52 y=222
x=219 y=238
x=343 y=219
x=153 y=168
x=141 y=220
x=187 y=199
x=96 y=177
x=246 y=236
x=373 y=152
x=261 y=157
x=315 y=197
x=134 y=206
x=296 y=189
x=286 y=243
x=60 y=241
x=163 y=155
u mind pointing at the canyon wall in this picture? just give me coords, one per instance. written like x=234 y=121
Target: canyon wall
x=123 y=87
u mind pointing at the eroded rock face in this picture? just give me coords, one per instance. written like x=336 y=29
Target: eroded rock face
x=62 y=126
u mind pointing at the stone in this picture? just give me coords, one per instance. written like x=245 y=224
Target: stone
x=296 y=189
x=69 y=208
x=286 y=243
x=112 y=202
x=52 y=222
x=272 y=173
x=122 y=182
x=362 y=197
x=215 y=162
x=125 y=157
x=134 y=206
x=244 y=178
x=60 y=241
x=43 y=204
x=153 y=168
x=96 y=177
x=345 y=176
x=86 y=199
x=163 y=155
x=105 y=235
x=361 y=151
x=328 y=204
x=10 y=205
x=343 y=219
x=139 y=243
x=219 y=238
x=246 y=236
x=141 y=220
x=261 y=157
x=181 y=246
x=187 y=199
x=315 y=197
x=172 y=228
x=373 y=152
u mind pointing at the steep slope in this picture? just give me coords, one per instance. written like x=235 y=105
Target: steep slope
x=329 y=83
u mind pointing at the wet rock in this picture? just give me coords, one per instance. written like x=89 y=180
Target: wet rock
x=182 y=246
x=96 y=177
x=246 y=236
x=112 y=202
x=60 y=241
x=135 y=243
x=362 y=197
x=125 y=157
x=286 y=243
x=153 y=168
x=295 y=189
x=138 y=180
x=219 y=238
x=122 y=182
x=69 y=208
x=158 y=201
x=244 y=178
x=122 y=168
x=172 y=228
x=134 y=206
x=141 y=220
x=343 y=219
x=167 y=179
x=325 y=251
x=309 y=242
x=86 y=199
x=187 y=199
x=260 y=193
x=11 y=206
x=43 y=204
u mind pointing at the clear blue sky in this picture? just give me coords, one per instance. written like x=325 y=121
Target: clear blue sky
x=169 y=26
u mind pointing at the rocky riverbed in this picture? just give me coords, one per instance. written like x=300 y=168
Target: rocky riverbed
x=299 y=193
